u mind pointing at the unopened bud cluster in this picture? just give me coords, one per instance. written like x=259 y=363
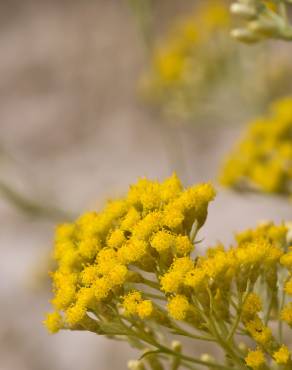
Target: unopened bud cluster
x=262 y=19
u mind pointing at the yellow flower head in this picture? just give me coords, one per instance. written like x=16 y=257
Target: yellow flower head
x=53 y=322
x=286 y=260
x=116 y=239
x=255 y=359
x=183 y=245
x=75 y=314
x=288 y=286
x=102 y=287
x=252 y=305
x=145 y=309
x=282 y=355
x=286 y=313
x=195 y=278
x=131 y=301
x=259 y=332
x=162 y=241
x=178 y=307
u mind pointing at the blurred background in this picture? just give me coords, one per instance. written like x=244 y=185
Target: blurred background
x=81 y=118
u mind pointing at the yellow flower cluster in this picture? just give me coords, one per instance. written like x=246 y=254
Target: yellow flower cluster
x=98 y=255
x=262 y=161
x=191 y=57
x=130 y=271
x=256 y=256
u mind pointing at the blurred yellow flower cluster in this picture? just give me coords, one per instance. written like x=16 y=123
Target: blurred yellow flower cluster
x=129 y=272
x=191 y=58
x=262 y=161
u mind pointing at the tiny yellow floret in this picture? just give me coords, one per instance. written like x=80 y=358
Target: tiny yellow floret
x=75 y=314
x=282 y=356
x=259 y=332
x=286 y=314
x=251 y=306
x=183 y=245
x=53 y=322
x=255 y=359
x=178 y=307
x=145 y=309
x=162 y=241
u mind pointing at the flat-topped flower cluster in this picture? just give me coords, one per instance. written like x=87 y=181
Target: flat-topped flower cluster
x=129 y=272
x=101 y=255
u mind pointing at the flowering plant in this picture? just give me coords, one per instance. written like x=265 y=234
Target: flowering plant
x=131 y=272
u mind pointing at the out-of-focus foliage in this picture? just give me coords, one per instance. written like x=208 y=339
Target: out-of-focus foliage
x=28 y=203
x=263 y=19
x=143 y=12
x=262 y=161
x=30 y=206
x=269 y=70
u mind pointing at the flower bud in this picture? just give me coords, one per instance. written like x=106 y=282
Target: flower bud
x=263 y=28
x=289 y=233
x=135 y=365
x=176 y=346
x=244 y=35
x=154 y=362
x=243 y=347
x=243 y=10
x=207 y=358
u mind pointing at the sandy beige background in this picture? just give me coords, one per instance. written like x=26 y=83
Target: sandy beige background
x=72 y=132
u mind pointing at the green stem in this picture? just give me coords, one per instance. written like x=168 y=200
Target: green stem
x=280 y=326
x=269 y=310
x=215 y=319
x=141 y=335
x=143 y=12
x=235 y=358
x=224 y=345
x=32 y=207
x=176 y=362
x=151 y=284
x=236 y=321
x=180 y=331
x=155 y=296
x=242 y=300
x=194 y=231
x=283 y=12
x=188 y=366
